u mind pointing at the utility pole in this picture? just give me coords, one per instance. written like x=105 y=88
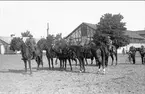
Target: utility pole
x=47 y=29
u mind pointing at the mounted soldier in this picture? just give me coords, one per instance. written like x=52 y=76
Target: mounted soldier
x=31 y=43
x=109 y=42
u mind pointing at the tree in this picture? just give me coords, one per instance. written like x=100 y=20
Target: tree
x=26 y=34
x=111 y=25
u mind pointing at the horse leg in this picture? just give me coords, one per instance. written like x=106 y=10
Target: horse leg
x=60 y=63
x=116 y=58
x=98 y=62
x=49 y=63
x=41 y=60
x=52 y=63
x=99 y=66
x=92 y=60
x=106 y=60
x=30 y=66
x=104 y=64
x=103 y=69
x=38 y=62
x=141 y=59
x=112 y=58
x=65 y=62
x=70 y=64
x=56 y=61
x=96 y=59
x=86 y=61
x=75 y=61
x=80 y=64
x=83 y=65
x=25 y=63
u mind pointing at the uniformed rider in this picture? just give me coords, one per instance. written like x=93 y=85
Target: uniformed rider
x=31 y=43
x=109 y=42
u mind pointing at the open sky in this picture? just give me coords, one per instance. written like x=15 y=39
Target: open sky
x=64 y=16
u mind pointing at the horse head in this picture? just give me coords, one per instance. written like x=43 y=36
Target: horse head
x=16 y=43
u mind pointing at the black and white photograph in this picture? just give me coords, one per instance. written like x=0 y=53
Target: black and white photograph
x=72 y=47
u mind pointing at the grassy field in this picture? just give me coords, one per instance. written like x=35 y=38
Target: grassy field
x=125 y=78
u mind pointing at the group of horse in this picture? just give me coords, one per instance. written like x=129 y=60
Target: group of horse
x=64 y=53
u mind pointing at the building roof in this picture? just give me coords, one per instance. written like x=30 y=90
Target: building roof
x=6 y=39
x=140 y=32
x=93 y=26
x=133 y=34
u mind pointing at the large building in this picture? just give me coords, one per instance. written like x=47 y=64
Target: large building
x=85 y=31
x=82 y=34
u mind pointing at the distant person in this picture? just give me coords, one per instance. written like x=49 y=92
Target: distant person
x=142 y=46
x=123 y=51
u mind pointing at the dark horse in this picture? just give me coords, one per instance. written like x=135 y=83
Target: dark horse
x=63 y=53
x=88 y=54
x=27 y=55
x=99 y=53
x=43 y=44
x=78 y=50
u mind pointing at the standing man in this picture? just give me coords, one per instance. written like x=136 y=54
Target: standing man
x=123 y=51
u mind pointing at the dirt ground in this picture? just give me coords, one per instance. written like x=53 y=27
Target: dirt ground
x=125 y=78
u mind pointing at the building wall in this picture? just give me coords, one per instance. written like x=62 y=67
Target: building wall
x=2 y=49
x=81 y=35
x=5 y=48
